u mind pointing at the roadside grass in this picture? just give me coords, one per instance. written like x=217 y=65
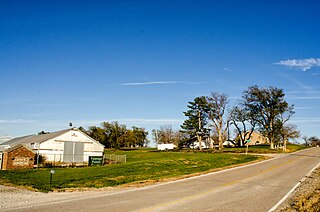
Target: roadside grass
x=141 y=166
x=264 y=149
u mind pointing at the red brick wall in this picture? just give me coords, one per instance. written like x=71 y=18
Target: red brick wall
x=19 y=158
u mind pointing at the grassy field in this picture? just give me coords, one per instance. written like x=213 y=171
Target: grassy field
x=264 y=149
x=141 y=166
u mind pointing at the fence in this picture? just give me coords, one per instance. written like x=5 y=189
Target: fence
x=111 y=159
x=66 y=160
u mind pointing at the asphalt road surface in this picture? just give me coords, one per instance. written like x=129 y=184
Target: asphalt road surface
x=256 y=187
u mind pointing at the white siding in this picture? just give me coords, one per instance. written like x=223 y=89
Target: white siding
x=165 y=146
x=53 y=149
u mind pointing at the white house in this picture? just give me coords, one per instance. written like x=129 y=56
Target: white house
x=70 y=145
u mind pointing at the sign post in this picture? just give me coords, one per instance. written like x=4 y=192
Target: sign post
x=247 y=142
x=51 y=173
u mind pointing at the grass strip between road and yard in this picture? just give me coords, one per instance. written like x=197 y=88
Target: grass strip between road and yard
x=142 y=166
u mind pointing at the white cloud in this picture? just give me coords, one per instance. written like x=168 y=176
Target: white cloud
x=131 y=121
x=304 y=92
x=149 y=83
x=307 y=108
x=304 y=97
x=303 y=64
x=152 y=121
x=305 y=121
x=158 y=83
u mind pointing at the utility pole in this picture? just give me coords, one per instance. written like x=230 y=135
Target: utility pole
x=157 y=139
x=284 y=144
x=228 y=125
x=198 y=134
x=38 y=155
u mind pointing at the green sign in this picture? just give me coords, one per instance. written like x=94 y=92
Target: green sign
x=247 y=141
x=95 y=160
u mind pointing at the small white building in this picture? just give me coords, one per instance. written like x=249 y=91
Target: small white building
x=69 y=146
x=166 y=146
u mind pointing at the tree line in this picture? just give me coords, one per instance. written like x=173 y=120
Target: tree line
x=115 y=135
x=262 y=109
x=208 y=118
x=311 y=141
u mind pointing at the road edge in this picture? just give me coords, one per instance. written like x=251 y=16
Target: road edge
x=293 y=189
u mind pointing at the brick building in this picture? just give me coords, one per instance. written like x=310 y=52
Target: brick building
x=18 y=157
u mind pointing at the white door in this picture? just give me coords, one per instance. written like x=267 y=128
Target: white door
x=73 y=151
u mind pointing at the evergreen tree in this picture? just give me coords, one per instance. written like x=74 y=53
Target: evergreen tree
x=197 y=119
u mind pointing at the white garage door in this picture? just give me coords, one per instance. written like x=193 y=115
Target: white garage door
x=73 y=151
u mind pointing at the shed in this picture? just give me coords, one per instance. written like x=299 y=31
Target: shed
x=18 y=157
x=67 y=146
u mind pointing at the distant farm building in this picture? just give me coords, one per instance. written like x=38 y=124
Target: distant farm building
x=257 y=138
x=65 y=146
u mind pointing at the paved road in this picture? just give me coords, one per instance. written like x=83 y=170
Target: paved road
x=256 y=187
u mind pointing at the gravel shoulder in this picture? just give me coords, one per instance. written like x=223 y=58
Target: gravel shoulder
x=14 y=198
x=306 y=197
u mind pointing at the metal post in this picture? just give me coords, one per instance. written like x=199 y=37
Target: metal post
x=50 y=180
x=51 y=173
x=199 y=137
x=38 y=156
x=247 y=148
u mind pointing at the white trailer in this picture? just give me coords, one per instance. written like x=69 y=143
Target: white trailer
x=166 y=146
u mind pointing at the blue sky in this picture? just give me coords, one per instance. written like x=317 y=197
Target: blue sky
x=140 y=62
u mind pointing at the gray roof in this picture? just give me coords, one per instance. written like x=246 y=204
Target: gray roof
x=16 y=147
x=34 y=138
x=5 y=138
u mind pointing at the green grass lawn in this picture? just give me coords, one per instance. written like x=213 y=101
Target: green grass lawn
x=264 y=149
x=142 y=165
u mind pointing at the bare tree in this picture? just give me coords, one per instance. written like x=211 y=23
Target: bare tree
x=270 y=106
x=165 y=135
x=288 y=131
x=244 y=122
x=306 y=141
x=217 y=104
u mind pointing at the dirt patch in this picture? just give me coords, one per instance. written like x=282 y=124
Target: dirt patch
x=306 y=197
